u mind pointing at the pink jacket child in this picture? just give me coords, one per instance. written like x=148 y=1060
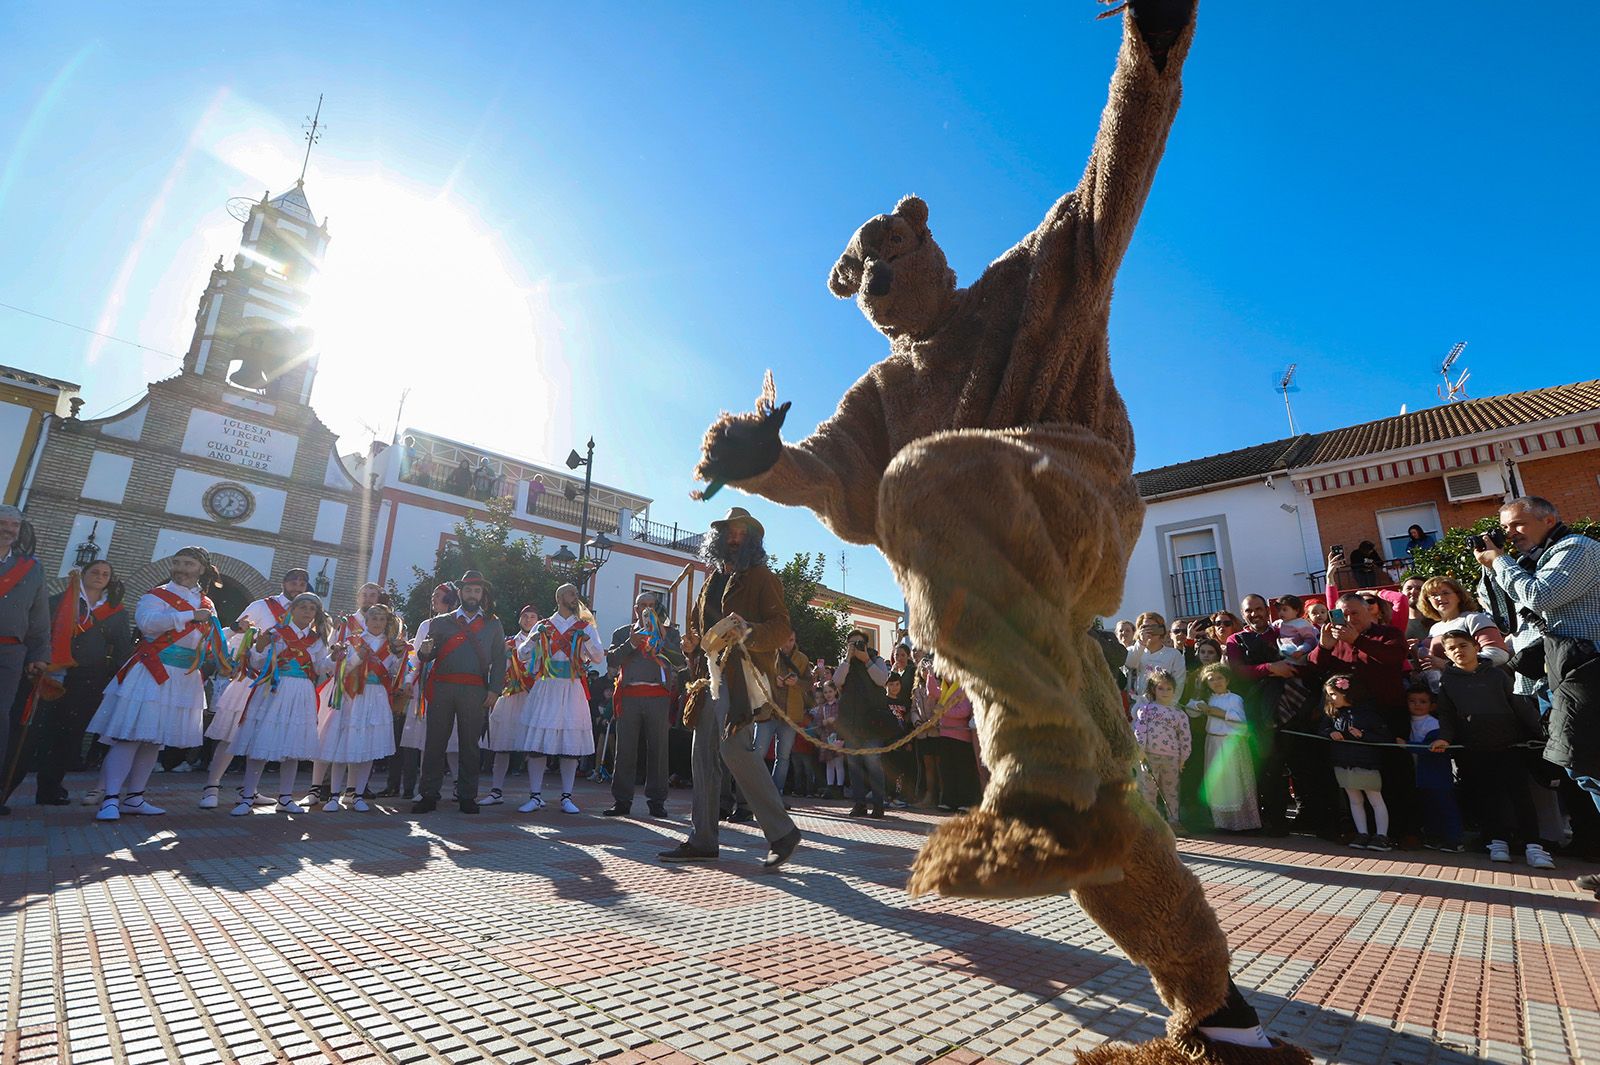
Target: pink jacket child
x=956 y=724
x=1162 y=731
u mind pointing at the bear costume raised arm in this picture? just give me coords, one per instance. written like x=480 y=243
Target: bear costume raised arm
x=989 y=458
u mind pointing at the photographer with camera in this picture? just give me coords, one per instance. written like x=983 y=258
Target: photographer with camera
x=1553 y=582
x=864 y=721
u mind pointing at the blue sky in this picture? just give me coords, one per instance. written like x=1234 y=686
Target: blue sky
x=629 y=211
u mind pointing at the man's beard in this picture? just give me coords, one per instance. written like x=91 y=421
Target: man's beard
x=714 y=550
x=471 y=605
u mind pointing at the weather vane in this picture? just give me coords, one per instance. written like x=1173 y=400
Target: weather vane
x=313 y=135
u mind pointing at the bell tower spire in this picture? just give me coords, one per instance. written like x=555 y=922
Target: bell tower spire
x=313 y=135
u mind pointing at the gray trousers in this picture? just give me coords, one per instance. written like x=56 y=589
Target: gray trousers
x=643 y=719
x=866 y=772
x=743 y=761
x=459 y=707
x=13 y=661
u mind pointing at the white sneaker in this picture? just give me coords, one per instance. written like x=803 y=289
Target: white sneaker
x=208 y=797
x=138 y=805
x=181 y=767
x=290 y=807
x=494 y=798
x=1538 y=857
x=360 y=806
x=568 y=806
x=1498 y=851
x=534 y=803
x=245 y=806
x=331 y=806
x=91 y=797
x=109 y=811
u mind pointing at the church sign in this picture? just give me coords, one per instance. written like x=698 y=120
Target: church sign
x=230 y=439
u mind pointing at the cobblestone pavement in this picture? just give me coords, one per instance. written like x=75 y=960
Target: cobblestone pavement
x=198 y=937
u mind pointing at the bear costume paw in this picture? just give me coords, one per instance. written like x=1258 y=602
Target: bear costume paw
x=1193 y=1051
x=738 y=447
x=1028 y=847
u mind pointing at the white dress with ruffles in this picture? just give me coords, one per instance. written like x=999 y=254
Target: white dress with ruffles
x=555 y=717
x=505 y=720
x=361 y=727
x=138 y=708
x=282 y=724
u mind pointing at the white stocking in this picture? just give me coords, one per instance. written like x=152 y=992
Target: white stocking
x=1358 y=810
x=535 y=773
x=288 y=769
x=252 y=775
x=1380 y=813
x=144 y=763
x=361 y=772
x=118 y=761
x=221 y=758
x=502 y=765
x=338 y=770
x=453 y=760
x=569 y=774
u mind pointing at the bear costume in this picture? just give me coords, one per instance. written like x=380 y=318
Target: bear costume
x=990 y=458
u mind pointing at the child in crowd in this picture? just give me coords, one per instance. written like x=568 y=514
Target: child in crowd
x=1162 y=732
x=1230 y=777
x=360 y=729
x=1490 y=719
x=279 y=723
x=1296 y=635
x=1436 y=789
x=1353 y=725
x=826 y=717
x=1151 y=652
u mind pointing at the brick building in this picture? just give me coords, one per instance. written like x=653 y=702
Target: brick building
x=29 y=404
x=1262 y=518
x=228 y=454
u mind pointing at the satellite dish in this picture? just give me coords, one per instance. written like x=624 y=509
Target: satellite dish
x=239 y=208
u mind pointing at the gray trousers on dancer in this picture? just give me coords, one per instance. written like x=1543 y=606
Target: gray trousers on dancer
x=458 y=707
x=711 y=753
x=647 y=718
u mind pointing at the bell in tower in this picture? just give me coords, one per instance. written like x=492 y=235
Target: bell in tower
x=267 y=353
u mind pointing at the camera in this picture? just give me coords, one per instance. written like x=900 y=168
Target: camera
x=858 y=644
x=1484 y=540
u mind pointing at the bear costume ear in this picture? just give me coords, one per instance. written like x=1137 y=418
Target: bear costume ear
x=845 y=279
x=914 y=210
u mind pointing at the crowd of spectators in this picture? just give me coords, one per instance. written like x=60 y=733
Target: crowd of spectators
x=1421 y=715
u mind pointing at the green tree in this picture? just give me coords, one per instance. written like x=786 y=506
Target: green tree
x=1452 y=555
x=820 y=631
x=513 y=563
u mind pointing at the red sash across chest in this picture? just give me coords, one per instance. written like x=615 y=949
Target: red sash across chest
x=448 y=648
x=297 y=649
x=279 y=611
x=13 y=576
x=95 y=617
x=368 y=664
x=149 y=651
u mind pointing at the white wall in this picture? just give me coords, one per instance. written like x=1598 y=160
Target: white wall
x=169 y=540
x=82 y=525
x=108 y=477
x=1260 y=547
x=189 y=488
x=417 y=533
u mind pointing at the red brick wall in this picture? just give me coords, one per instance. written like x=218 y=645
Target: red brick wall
x=1568 y=480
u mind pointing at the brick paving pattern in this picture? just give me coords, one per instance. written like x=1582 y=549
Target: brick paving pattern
x=378 y=937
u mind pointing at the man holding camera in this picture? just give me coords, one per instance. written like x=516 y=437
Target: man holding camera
x=864 y=721
x=1554 y=583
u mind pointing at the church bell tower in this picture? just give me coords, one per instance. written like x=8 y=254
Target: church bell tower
x=251 y=331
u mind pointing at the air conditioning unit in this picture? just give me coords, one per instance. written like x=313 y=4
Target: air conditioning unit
x=1479 y=482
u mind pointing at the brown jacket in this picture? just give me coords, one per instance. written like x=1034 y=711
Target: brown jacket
x=755 y=594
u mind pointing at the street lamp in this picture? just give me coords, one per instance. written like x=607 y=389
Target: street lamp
x=88 y=551
x=564 y=557
x=600 y=549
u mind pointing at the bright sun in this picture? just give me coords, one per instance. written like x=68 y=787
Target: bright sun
x=416 y=293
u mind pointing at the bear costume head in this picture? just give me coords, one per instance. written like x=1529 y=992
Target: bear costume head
x=897 y=272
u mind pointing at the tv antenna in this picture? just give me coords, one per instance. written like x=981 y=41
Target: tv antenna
x=1286 y=385
x=313 y=135
x=1451 y=392
x=844 y=573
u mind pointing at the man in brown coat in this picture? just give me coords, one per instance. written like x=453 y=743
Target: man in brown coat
x=741 y=587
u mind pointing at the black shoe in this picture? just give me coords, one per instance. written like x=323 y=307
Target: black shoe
x=616 y=809
x=781 y=849
x=58 y=798
x=468 y=806
x=858 y=810
x=658 y=809
x=424 y=806
x=5 y=811
x=1589 y=882
x=685 y=853
x=876 y=811
x=741 y=816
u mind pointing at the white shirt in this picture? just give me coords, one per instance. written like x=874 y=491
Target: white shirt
x=594 y=650
x=259 y=615
x=321 y=664
x=154 y=616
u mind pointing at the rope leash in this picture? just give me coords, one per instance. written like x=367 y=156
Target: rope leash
x=1423 y=747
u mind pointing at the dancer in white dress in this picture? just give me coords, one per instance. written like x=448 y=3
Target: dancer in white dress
x=280 y=720
x=556 y=717
x=159 y=696
x=233 y=692
x=360 y=727
x=505 y=720
x=343 y=631
x=414 y=733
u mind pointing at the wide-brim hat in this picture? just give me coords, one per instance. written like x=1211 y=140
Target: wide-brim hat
x=742 y=516
x=472 y=579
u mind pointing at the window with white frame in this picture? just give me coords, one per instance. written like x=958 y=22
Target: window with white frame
x=1196 y=573
x=1394 y=526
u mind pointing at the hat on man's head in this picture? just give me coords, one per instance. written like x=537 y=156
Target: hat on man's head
x=9 y=511
x=741 y=516
x=472 y=579
x=303 y=574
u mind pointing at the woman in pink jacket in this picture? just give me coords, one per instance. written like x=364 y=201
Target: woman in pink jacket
x=958 y=760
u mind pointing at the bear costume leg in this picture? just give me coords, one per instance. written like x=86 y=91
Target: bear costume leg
x=1008 y=543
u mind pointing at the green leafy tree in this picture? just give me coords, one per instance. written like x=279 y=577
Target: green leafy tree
x=820 y=631
x=513 y=563
x=1452 y=555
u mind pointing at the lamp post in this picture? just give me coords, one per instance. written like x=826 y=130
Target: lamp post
x=88 y=551
x=320 y=585
x=574 y=460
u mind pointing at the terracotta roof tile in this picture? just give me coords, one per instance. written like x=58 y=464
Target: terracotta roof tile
x=1452 y=420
